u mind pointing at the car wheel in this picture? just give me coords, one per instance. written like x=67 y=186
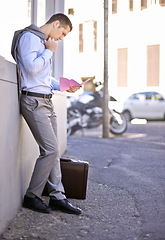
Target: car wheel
x=127 y=115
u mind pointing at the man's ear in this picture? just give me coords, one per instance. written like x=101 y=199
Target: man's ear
x=56 y=24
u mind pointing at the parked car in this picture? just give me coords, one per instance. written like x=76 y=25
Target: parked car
x=146 y=105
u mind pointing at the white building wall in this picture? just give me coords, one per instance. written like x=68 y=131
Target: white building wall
x=18 y=149
x=88 y=63
x=134 y=30
x=13 y=15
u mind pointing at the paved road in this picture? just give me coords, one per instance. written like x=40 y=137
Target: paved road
x=133 y=163
x=126 y=190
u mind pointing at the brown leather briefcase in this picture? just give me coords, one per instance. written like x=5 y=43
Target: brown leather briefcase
x=74 y=178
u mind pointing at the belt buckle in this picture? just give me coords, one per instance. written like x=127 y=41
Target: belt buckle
x=48 y=96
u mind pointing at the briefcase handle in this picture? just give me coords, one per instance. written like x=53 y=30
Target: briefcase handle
x=63 y=159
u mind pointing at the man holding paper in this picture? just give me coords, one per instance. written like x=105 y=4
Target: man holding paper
x=32 y=49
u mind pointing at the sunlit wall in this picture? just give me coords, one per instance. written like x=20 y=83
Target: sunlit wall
x=84 y=58
x=136 y=44
x=13 y=15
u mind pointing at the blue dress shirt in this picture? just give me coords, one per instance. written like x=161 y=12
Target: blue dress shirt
x=35 y=63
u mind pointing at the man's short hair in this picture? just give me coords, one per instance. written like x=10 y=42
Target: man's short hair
x=62 y=18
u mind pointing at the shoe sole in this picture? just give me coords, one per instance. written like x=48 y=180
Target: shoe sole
x=36 y=210
x=63 y=210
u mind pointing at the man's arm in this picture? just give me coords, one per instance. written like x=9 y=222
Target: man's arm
x=55 y=85
x=73 y=89
x=51 y=44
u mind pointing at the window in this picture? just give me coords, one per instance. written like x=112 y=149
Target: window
x=29 y=9
x=139 y=96
x=41 y=12
x=156 y=97
x=71 y=11
x=114 y=6
x=95 y=35
x=20 y=13
x=80 y=37
x=162 y=2
x=153 y=53
x=122 y=67
x=88 y=36
x=131 y=5
x=143 y=4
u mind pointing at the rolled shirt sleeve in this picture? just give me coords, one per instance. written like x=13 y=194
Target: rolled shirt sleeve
x=55 y=85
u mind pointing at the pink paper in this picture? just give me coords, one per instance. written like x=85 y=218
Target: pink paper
x=66 y=83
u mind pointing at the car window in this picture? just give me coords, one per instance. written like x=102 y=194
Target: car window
x=139 y=96
x=148 y=95
x=156 y=96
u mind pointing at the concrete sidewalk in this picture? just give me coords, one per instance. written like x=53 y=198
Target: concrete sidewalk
x=108 y=212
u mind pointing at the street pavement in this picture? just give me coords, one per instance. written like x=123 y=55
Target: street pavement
x=125 y=192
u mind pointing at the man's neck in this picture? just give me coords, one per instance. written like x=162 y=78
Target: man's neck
x=46 y=29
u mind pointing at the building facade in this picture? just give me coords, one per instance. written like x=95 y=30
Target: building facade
x=18 y=14
x=18 y=149
x=136 y=44
x=136 y=40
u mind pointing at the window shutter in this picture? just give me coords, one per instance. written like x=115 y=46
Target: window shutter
x=114 y=6
x=95 y=35
x=153 y=53
x=122 y=67
x=81 y=37
x=143 y=4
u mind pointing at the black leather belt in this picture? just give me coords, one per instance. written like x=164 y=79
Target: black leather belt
x=40 y=95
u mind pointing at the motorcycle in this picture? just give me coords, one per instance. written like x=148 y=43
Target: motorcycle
x=86 y=112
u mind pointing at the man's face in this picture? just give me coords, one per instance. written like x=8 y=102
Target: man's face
x=58 y=31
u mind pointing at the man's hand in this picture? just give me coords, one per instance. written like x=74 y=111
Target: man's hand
x=51 y=44
x=73 y=89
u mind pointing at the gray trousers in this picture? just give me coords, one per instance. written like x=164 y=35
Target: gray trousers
x=41 y=119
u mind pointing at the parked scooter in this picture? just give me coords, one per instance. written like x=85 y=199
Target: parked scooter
x=86 y=112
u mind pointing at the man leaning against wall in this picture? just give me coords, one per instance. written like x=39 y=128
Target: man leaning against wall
x=32 y=49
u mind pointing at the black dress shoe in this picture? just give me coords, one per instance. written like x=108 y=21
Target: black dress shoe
x=36 y=204
x=64 y=205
